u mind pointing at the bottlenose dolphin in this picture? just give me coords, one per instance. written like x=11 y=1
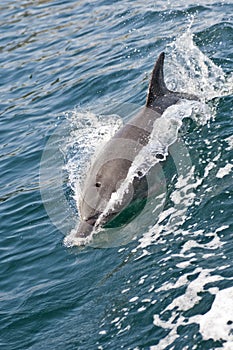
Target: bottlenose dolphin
x=111 y=165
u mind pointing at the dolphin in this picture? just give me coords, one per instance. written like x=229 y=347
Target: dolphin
x=111 y=165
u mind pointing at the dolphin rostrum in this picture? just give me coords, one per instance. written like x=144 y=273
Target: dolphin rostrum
x=111 y=165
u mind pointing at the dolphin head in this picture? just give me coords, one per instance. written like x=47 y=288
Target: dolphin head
x=102 y=182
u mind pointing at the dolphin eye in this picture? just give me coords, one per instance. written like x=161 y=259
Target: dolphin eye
x=98 y=184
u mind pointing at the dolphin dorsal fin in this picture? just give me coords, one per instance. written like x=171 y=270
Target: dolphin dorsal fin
x=157 y=85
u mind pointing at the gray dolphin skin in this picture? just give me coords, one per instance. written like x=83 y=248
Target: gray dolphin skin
x=111 y=165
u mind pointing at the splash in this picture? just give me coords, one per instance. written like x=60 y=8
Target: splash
x=190 y=70
x=89 y=132
x=202 y=76
x=187 y=69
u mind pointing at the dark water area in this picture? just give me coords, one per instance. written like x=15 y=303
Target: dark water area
x=171 y=285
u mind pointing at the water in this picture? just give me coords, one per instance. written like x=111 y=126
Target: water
x=169 y=284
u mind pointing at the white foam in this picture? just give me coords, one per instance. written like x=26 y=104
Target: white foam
x=229 y=140
x=223 y=227
x=171 y=219
x=192 y=71
x=71 y=240
x=211 y=165
x=226 y=170
x=184 y=302
x=217 y=323
x=132 y=300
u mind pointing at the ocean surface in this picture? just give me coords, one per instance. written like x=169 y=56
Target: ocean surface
x=72 y=72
